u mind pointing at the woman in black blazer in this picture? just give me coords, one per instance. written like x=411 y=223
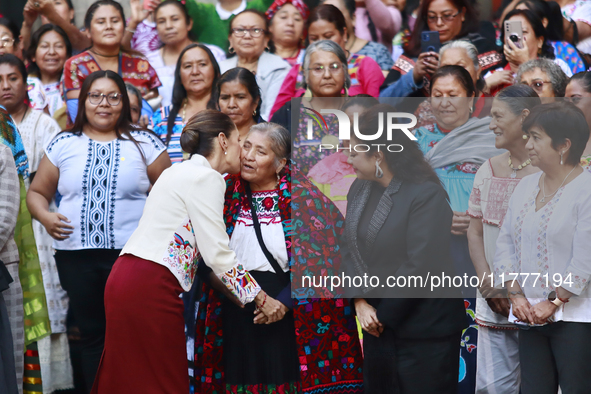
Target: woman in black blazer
x=398 y=222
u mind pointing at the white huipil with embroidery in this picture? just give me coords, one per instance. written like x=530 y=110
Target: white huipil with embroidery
x=183 y=221
x=552 y=241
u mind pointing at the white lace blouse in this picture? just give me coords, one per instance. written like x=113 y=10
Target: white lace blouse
x=552 y=245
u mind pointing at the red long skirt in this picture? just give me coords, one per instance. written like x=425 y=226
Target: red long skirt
x=145 y=349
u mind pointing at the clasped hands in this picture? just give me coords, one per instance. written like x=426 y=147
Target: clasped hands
x=367 y=316
x=268 y=310
x=536 y=314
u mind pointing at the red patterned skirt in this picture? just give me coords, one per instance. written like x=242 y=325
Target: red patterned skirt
x=145 y=349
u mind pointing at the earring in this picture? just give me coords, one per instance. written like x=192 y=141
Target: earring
x=231 y=50
x=561 y=162
x=254 y=113
x=379 y=171
x=278 y=180
x=225 y=152
x=471 y=109
x=524 y=136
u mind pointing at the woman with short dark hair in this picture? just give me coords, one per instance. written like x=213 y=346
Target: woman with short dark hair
x=578 y=91
x=546 y=234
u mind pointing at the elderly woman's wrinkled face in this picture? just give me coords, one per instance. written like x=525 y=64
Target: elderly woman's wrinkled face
x=443 y=16
x=51 y=53
x=459 y=57
x=326 y=74
x=506 y=125
x=579 y=97
x=7 y=44
x=324 y=30
x=248 y=36
x=259 y=163
x=287 y=25
x=539 y=81
x=13 y=90
x=449 y=102
x=363 y=163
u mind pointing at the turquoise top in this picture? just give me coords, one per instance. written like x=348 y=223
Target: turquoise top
x=457 y=178
x=160 y=126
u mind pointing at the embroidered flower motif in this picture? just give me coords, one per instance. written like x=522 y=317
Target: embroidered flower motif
x=468 y=168
x=142 y=66
x=268 y=203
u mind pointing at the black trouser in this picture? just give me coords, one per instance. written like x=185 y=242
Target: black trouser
x=83 y=275
x=558 y=353
x=401 y=366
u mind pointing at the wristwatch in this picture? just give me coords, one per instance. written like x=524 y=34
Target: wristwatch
x=554 y=299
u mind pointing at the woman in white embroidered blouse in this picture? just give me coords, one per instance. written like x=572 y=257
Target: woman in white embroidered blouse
x=182 y=222
x=543 y=254
x=102 y=168
x=498 y=340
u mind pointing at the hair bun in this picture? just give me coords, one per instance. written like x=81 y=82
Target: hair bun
x=190 y=140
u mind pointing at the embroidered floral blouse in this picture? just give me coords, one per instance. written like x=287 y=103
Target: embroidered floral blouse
x=552 y=242
x=134 y=69
x=457 y=178
x=183 y=222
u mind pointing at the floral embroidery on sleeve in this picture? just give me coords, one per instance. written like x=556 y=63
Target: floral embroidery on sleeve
x=240 y=283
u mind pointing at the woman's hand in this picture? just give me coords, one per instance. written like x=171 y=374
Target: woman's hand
x=499 y=78
x=522 y=309
x=515 y=55
x=55 y=224
x=30 y=14
x=542 y=311
x=138 y=13
x=427 y=63
x=43 y=7
x=460 y=223
x=366 y=314
x=499 y=305
x=270 y=312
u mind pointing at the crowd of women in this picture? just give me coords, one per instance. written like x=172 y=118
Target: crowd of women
x=149 y=166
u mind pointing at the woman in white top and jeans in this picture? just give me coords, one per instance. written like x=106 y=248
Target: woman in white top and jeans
x=102 y=168
x=546 y=234
x=182 y=222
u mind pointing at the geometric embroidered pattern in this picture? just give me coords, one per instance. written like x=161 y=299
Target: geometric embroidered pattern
x=99 y=185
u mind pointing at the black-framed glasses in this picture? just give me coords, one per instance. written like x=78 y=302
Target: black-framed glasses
x=319 y=69
x=97 y=98
x=537 y=84
x=6 y=42
x=254 y=32
x=447 y=17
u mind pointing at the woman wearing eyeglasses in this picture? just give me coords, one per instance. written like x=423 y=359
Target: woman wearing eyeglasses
x=545 y=77
x=453 y=20
x=533 y=45
x=103 y=168
x=9 y=38
x=326 y=22
x=326 y=81
x=249 y=38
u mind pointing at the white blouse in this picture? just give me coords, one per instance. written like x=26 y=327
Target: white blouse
x=554 y=242
x=183 y=222
x=103 y=186
x=244 y=239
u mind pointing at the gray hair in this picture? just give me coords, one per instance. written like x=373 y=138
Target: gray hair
x=278 y=136
x=465 y=45
x=135 y=91
x=557 y=77
x=326 y=46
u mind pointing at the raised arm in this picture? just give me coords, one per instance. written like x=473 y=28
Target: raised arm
x=387 y=19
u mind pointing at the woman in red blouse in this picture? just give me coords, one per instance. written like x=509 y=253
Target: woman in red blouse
x=105 y=25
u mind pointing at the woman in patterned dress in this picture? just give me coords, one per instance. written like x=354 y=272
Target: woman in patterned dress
x=545 y=234
x=578 y=91
x=497 y=368
x=103 y=168
x=456 y=145
x=105 y=23
x=291 y=344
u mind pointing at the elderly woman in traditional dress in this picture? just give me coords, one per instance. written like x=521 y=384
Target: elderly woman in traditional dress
x=280 y=346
